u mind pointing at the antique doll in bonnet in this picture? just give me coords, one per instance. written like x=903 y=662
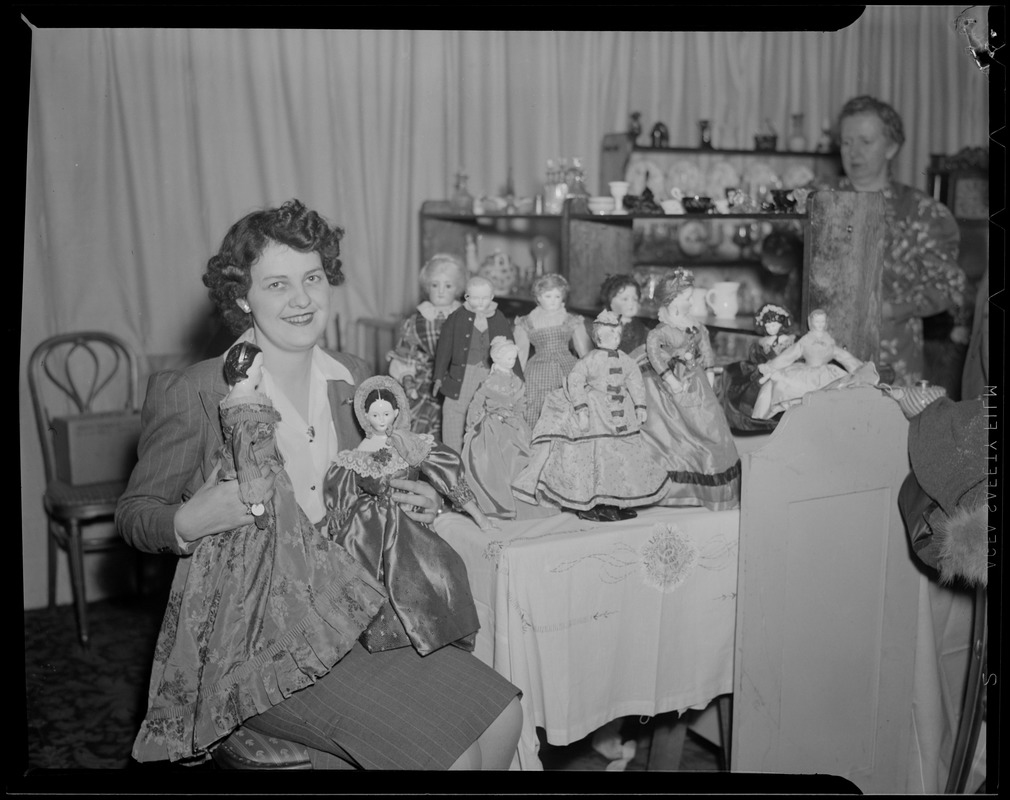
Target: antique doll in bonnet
x=686 y=430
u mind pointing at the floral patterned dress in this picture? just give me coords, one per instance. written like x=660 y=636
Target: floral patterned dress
x=416 y=350
x=604 y=465
x=258 y=615
x=430 y=604
x=687 y=431
x=921 y=241
x=550 y=363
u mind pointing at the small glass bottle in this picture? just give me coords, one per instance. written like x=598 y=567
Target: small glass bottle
x=462 y=200
x=705 y=132
x=797 y=139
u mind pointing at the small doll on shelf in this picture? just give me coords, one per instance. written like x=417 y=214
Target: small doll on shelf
x=552 y=332
x=496 y=447
x=786 y=378
x=412 y=361
x=686 y=430
x=430 y=604
x=622 y=295
x=588 y=456
x=462 y=355
x=740 y=382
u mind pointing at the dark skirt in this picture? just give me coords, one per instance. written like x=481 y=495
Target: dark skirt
x=394 y=709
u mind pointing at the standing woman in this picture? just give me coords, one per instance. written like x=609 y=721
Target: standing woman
x=412 y=361
x=271 y=282
x=921 y=275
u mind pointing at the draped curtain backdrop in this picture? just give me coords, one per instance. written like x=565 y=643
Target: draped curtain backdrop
x=145 y=144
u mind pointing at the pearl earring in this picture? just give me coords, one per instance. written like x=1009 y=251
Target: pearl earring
x=244 y=306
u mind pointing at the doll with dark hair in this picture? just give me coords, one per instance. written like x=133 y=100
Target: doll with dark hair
x=430 y=604
x=622 y=295
x=686 y=430
x=740 y=382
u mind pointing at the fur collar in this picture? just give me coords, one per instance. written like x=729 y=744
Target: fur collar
x=962 y=546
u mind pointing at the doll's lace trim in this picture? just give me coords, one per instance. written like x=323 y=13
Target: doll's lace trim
x=372 y=463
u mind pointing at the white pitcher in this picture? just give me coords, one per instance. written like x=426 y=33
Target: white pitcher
x=722 y=299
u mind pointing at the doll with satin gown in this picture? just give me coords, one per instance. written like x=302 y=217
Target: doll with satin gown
x=802 y=368
x=302 y=598
x=686 y=430
x=430 y=604
x=588 y=455
x=412 y=360
x=496 y=447
x=740 y=382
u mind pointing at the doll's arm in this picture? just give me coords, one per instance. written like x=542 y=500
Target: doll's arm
x=520 y=401
x=636 y=387
x=658 y=350
x=846 y=359
x=577 y=382
x=580 y=337
x=522 y=340
x=782 y=360
x=475 y=411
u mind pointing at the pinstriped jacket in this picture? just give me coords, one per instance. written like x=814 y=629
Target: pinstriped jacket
x=179 y=442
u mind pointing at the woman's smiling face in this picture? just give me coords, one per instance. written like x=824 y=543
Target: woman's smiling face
x=289 y=298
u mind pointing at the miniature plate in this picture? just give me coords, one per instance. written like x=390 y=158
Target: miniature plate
x=693 y=238
x=798 y=175
x=687 y=176
x=721 y=176
x=642 y=174
x=760 y=174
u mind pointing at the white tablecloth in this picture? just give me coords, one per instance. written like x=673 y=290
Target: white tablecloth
x=594 y=621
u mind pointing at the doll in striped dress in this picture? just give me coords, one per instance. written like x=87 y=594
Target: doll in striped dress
x=552 y=332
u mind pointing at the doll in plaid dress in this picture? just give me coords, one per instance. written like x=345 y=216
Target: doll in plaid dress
x=412 y=361
x=552 y=332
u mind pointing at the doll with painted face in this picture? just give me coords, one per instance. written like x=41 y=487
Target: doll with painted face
x=687 y=431
x=412 y=361
x=622 y=295
x=496 y=446
x=588 y=455
x=740 y=382
x=802 y=368
x=463 y=355
x=551 y=331
x=429 y=604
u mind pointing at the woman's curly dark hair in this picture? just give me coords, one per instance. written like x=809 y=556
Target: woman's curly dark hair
x=866 y=104
x=294 y=225
x=613 y=285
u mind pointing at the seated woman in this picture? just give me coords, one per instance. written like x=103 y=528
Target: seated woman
x=271 y=281
x=787 y=378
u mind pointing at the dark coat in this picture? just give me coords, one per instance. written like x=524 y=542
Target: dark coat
x=454 y=345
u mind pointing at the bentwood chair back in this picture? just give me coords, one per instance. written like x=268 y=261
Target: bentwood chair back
x=84 y=389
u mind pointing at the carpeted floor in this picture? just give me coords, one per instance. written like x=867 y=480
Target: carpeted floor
x=84 y=706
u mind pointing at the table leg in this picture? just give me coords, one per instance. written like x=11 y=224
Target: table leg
x=667 y=743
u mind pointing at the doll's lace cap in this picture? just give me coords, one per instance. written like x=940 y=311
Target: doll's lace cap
x=773 y=313
x=608 y=318
x=393 y=387
x=499 y=344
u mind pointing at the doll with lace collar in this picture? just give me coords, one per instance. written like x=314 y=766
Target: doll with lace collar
x=462 y=356
x=686 y=430
x=412 y=361
x=588 y=456
x=429 y=604
x=740 y=382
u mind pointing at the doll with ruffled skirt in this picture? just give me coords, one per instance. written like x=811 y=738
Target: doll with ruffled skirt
x=430 y=604
x=802 y=368
x=302 y=600
x=496 y=447
x=588 y=455
x=740 y=382
x=686 y=430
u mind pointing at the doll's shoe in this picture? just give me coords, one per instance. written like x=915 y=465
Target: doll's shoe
x=590 y=514
x=626 y=513
x=608 y=514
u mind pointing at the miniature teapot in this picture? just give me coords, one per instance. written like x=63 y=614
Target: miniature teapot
x=723 y=300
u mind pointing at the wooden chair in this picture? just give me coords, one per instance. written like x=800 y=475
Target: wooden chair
x=70 y=375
